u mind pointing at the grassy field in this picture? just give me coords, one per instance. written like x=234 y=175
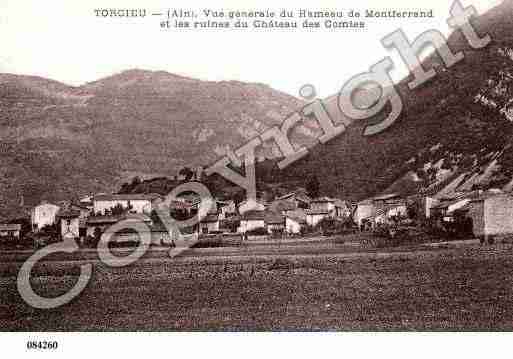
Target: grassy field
x=464 y=288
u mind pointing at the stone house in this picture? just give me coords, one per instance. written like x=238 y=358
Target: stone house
x=44 y=214
x=492 y=215
x=251 y=220
x=10 y=230
x=138 y=203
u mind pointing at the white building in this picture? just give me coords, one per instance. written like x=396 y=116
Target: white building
x=325 y=207
x=251 y=220
x=138 y=203
x=210 y=223
x=10 y=230
x=313 y=217
x=492 y=215
x=251 y=205
x=364 y=210
x=70 y=224
x=44 y=214
x=294 y=224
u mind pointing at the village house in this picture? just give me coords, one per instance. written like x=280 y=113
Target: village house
x=447 y=206
x=387 y=214
x=137 y=203
x=226 y=209
x=283 y=206
x=210 y=223
x=299 y=198
x=491 y=214
x=389 y=200
x=427 y=205
x=69 y=224
x=382 y=209
x=314 y=217
x=323 y=204
x=365 y=210
x=83 y=211
x=252 y=205
x=86 y=202
x=10 y=230
x=252 y=220
x=295 y=221
x=128 y=234
x=100 y=224
x=275 y=223
x=323 y=207
x=230 y=224
x=42 y=215
x=224 y=212
x=343 y=209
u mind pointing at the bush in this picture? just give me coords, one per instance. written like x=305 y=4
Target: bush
x=386 y=235
x=91 y=241
x=261 y=231
x=218 y=241
x=332 y=226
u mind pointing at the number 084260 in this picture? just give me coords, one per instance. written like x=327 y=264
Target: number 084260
x=42 y=345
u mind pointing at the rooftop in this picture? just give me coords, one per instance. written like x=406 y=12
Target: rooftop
x=322 y=199
x=313 y=211
x=386 y=196
x=283 y=205
x=127 y=197
x=253 y=215
x=274 y=218
x=210 y=218
x=10 y=227
x=68 y=213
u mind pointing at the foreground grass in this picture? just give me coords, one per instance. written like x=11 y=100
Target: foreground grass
x=450 y=289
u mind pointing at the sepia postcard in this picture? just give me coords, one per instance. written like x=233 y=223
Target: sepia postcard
x=230 y=178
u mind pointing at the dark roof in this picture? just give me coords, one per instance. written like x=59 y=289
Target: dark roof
x=10 y=227
x=274 y=218
x=210 y=217
x=79 y=205
x=341 y=203
x=296 y=217
x=386 y=196
x=446 y=204
x=384 y=210
x=117 y=218
x=283 y=205
x=253 y=215
x=126 y=197
x=298 y=195
x=322 y=199
x=103 y=219
x=69 y=213
x=312 y=211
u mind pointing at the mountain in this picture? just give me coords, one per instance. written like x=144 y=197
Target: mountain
x=59 y=141
x=456 y=126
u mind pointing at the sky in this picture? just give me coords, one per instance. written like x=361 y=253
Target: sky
x=65 y=41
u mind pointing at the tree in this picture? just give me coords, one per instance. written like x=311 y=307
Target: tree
x=118 y=210
x=313 y=187
x=136 y=181
x=187 y=173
